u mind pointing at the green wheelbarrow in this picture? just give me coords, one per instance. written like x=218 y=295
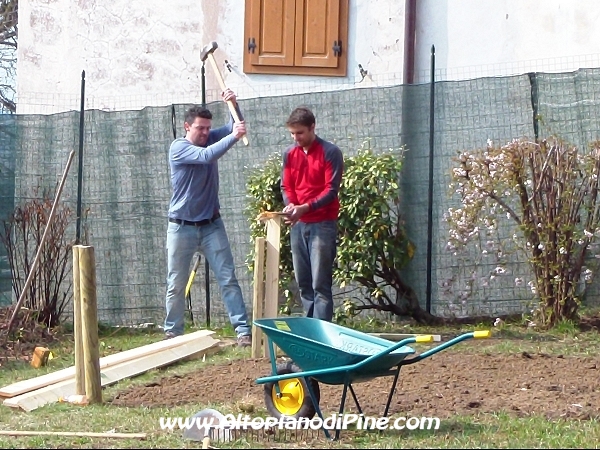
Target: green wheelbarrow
x=323 y=352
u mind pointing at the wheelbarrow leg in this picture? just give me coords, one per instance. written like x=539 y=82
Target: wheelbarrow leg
x=273 y=358
x=342 y=404
x=391 y=394
x=316 y=405
x=355 y=399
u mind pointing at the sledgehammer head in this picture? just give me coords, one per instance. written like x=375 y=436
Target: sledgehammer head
x=210 y=48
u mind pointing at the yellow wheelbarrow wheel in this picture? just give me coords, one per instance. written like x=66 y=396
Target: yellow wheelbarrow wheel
x=294 y=400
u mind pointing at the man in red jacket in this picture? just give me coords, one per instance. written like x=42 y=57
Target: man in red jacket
x=310 y=181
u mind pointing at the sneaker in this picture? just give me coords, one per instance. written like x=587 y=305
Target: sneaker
x=244 y=341
x=169 y=335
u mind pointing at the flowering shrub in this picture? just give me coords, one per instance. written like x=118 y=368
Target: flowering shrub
x=549 y=190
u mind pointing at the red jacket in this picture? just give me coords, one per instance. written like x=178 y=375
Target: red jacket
x=314 y=178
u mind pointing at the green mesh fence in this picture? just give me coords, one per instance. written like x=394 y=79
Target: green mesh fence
x=126 y=188
x=466 y=115
x=7 y=196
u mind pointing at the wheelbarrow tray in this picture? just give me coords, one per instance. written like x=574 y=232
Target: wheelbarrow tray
x=316 y=344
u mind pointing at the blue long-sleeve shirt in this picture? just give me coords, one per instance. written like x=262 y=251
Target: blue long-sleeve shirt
x=195 y=174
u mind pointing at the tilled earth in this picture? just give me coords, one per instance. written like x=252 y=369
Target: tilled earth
x=26 y=335
x=444 y=385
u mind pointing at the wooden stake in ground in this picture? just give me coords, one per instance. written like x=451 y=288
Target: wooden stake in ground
x=272 y=269
x=259 y=291
x=79 y=362
x=273 y=221
x=42 y=242
x=89 y=321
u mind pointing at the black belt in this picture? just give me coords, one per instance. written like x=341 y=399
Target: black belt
x=196 y=224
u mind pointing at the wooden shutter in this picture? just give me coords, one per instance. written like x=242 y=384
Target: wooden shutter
x=317 y=30
x=296 y=37
x=272 y=22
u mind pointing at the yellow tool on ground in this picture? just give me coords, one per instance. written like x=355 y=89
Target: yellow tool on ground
x=188 y=287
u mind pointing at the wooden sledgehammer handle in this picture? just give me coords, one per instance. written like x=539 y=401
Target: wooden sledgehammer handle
x=223 y=87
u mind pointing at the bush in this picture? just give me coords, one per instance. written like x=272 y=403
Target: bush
x=372 y=243
x=21 y=235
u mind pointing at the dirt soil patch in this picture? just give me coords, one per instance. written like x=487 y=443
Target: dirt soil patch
x=26 y=334
x=443 y=385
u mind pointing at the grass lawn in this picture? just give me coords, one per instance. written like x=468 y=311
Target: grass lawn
x=475 y=431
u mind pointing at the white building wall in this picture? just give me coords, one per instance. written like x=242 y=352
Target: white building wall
x=476 y=38
x=143 y=53
x=147 y=53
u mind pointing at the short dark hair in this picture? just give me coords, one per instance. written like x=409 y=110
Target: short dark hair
x=197 y=111
x=301 y=116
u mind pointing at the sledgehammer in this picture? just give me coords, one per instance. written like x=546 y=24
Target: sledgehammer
x=207 y=52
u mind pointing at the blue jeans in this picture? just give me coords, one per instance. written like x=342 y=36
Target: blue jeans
x=314 y=248
x=211 y=239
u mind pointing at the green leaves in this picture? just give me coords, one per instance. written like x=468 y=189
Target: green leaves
x=371 y=242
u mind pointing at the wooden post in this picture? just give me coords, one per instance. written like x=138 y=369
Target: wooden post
x=272 y=269
x=89 y=320
x=259 y=290
x=271 y=290
x=79 y=364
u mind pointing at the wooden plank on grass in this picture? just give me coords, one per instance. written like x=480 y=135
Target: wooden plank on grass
x=110 y=375
x=211 y=351
x=74 y=433
x=399 y=336
x=32 y=384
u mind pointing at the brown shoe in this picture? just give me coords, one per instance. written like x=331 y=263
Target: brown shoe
x=169 y=335
x=244 y=341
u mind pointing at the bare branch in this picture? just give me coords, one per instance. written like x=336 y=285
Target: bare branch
x=6 y=35
x=8 y=46
x=8 y=104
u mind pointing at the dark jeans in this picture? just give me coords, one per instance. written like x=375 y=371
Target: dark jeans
x=313 y=254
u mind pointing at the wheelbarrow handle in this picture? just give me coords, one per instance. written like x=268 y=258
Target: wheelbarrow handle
x=479 y=334
x=410 y=340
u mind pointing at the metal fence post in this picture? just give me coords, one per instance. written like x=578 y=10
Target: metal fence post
x=80 y=163
x=206 y=267
x=430 y=194
x=534 y=103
